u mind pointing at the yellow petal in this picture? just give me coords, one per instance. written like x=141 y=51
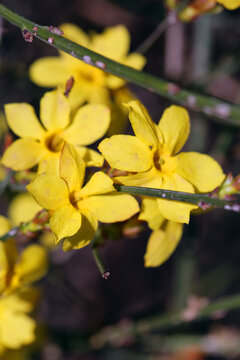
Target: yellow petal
x=114 y=82
x=84 y=235
x=74 y=33
x=5 y=225
x=54 y=110
x=23 y=121
x=23 y=154
x=17 y=329
x=89 y=124
x=8 y=258
x=90 y=157
x=125 y=152
x=72 y=168
x=77 y=96
x=175 y=210
x=230 y=4
x=202 y=171
x=32 y=264
x=50 y=71
x=162 y=244
x=151 y=178
x=97 y=94
x=175 y=127
x=50 y=164
x=142 y=124
x=135 y=60
x=22 y=208
x=65 y=222
x=111 y=208
x=150 y=212
x=49 y=191
x=99 y=183
x=23 y=300
x=114 y=42
x=11 y=252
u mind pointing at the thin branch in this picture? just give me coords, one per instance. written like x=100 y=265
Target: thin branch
x=38 y=223
x=170 y=19
x=202 y=200
x=164 y=321
x=227 y=112
x=97 y=255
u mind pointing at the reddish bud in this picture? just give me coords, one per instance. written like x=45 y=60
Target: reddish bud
x=69 y=85
x=27 y=35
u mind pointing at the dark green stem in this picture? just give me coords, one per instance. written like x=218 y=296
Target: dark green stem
x=166 y=321
x=177 y=318
x=202 y=200
x=216 y=108
x=98 y=260
x=97 y=256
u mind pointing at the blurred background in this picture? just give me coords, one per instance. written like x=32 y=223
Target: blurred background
x=81 y=316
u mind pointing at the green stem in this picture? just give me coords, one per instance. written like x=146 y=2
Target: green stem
x=166 y=321
x=202 y=200
x=97 y=256
x=11 y=233
x=216 y=108
x=99 y=261
x=176 y=318
x=171 y=19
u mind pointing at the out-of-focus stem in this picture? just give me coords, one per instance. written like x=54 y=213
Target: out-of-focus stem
x=164 y=321
x=170 y=19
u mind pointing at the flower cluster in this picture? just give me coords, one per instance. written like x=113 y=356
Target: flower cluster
x=79 y=200
x=72 y=176
x=91 y=84
x=17 y=298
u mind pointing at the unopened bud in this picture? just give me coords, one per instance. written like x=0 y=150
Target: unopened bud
x=195 y=9
x=229 y=187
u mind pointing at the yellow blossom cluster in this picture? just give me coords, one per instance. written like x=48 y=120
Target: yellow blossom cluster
x=91 y=84
x=56 y=144
x=17 y=297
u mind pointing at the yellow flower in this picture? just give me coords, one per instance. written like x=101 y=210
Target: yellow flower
x=165 y=236
x=17 y=270
x=230 y=4
x=22 y=208
x=90 y=83
x=42 y=143
x=16 y=327
x=76 y=210
x=152 y=155
x=199 y=7
x=162 y=243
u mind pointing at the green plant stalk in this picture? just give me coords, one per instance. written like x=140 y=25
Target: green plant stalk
x=176 y=318
x=226 y=112
x=98 y=260
x=202 y=200
x=166 y=321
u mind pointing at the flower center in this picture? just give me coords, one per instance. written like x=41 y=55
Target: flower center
x=157 y=160
x=75 y=197
x=54 y=143
x=163 y=161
